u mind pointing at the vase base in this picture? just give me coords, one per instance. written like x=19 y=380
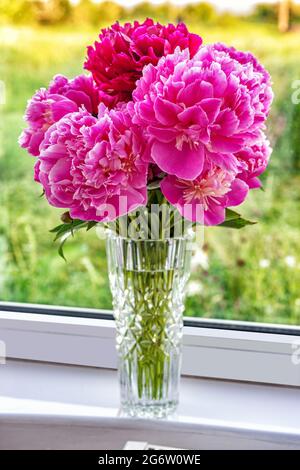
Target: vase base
x=151 y=410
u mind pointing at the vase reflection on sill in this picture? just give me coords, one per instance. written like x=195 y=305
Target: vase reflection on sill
x=147 y=280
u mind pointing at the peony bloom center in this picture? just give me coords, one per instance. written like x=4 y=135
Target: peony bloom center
x=128 y=165
x=185 y=137
x=215 y=185
x=48 y=115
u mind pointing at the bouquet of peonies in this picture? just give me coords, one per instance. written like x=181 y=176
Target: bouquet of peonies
x=162 y=120
x=162 y=117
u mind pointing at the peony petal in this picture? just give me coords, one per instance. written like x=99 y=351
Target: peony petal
x=166 y=112
x=195 y=42
x=172 y=191
x=53 y=152
x=80 y=98
x=63 y=107
x=60 y=172
x=186 y=163
x=224 y=144
x=193 y=115
x=228 y=122
x=226 y=161
x=254 y=183
x=34 y=142
x=215 y=215
x=162 y=134
x=211 y=107
x=145 y=111
x=194 y=92
x=237 y=194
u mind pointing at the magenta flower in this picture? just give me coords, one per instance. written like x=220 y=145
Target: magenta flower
x=117 y=60
x=248 y=59
x=115 y=169
x=42 y=111
x=159 y=109
x=193 y=110
x=47 y=106
x=62 y=153
x=81 y=90
x=93 y=166
x=204 y=199
x=253 y=161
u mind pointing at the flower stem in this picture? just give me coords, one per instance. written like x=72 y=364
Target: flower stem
x=151 y=300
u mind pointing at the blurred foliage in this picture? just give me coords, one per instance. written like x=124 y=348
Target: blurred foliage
x=52 y=11
x=203 y=12
x=265 y=12
x=294 y=134
x=16 y=11
x=253 y=274
x=289 y=142
x=39 y=11
x=87 y=12
x=268 y=12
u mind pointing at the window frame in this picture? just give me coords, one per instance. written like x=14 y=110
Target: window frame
x=227 y=350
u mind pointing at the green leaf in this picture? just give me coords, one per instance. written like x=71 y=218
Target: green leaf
x=235 y=220
x=57 y=228
x=61 y=229
x=90 y=225
x=67 y=229
x=230 y=214
x=237 y=223
x=63 y=240
x=61 y=249
x=64 y=230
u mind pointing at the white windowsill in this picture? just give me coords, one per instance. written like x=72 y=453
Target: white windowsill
x=58 y=406
x=207 y=352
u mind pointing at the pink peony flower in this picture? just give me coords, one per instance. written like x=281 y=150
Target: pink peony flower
x=47 y=106
x=62 y=154
x=196 y=109
x=115 y=170
x=248 y=59
x=80 y=89
x=253 y=161
x=204 y=199
x=93 y=166
x=117 y=60
x=42 y=111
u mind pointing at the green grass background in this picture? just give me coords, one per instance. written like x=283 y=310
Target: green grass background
x=253 y=274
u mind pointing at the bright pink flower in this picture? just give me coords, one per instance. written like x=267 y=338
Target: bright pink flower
x=204 y=108
x=81 y=90
x=62 y=153
x=93 y=166
x=253 y=161
x=114 y=170
x=248 y=59
x=204 y=199
x=47 y=106
x=117 y=60
x=42 y=111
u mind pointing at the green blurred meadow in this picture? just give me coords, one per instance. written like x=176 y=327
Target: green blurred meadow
x=252 y=274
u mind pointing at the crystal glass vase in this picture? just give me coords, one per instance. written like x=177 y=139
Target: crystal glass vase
x=147 y=280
